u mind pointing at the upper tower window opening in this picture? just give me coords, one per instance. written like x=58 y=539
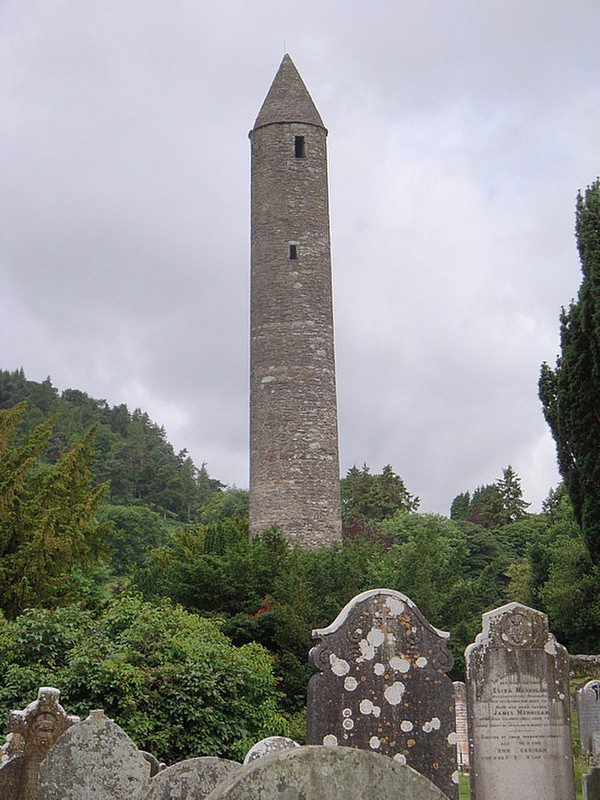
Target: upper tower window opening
x=293 y=252
x=299 y=146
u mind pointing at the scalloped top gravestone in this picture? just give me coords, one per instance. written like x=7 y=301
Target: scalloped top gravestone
x=192 y=779
x=31 y=734
x=326 y=773
x=94 y=760
x=518 y=707
x=272 y=744
x=382 y=686
x=587 y=702
x=462 y=730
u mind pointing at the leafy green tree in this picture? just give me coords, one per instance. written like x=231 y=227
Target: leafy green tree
x=230 y=504
x=494 y=504
x=460 y=506
x=370 y=497
x=570 y=393
x=567 y=582
x=132 y=532
x=171 y=679
x=133 y=453
x=513 y=505
x=486 y=507
x=47 y=516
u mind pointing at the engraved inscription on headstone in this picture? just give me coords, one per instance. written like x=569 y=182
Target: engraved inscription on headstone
x=462 y=731
x=518 y=708
x=587 y=702
x=382 y=686
x=32 y=732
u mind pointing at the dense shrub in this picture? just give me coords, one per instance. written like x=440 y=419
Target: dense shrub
x=171 y=679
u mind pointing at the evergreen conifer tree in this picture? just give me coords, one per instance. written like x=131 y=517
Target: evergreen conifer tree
x=570 y=393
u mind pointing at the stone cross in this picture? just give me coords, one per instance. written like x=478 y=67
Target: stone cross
x=519 y=710
x=382 y=686
x=31 y=734
x=587 y=702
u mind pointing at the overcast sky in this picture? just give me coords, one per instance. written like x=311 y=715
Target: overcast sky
x=459 y=135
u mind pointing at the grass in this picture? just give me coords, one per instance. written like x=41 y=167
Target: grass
x=581 y=767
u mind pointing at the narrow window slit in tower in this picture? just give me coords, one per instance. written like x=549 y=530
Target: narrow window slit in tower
x=293 y=252
x=299 y=147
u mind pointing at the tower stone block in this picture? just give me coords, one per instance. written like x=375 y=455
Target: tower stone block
x=294 y=461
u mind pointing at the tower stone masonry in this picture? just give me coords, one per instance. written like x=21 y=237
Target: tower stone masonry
x=294 y=461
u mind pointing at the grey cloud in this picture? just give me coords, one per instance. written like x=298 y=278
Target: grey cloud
x=459 y=135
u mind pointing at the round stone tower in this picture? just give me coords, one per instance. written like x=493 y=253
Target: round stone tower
x=294 y=461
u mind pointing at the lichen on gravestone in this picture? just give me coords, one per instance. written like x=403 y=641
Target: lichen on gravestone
x=381 y=686
x=519 y=710
x=95 y=760
x=326 y=773
x=587 y=702
x=192 y=779
x=272 y=744
x=31 y=734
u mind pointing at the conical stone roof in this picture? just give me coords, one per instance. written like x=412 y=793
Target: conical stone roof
x=288 y=99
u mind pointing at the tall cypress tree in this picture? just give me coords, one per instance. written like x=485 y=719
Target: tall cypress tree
x=570 y=393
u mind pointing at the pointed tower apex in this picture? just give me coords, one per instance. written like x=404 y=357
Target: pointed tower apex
x=288 y=99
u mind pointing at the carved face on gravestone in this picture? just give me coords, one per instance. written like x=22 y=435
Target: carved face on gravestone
x=44 y=730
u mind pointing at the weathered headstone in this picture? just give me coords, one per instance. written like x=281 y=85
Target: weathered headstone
x=272 y=744
x=462 y=728
x=590 y=784
x=587 y=703
x=192 y=779
x=326 y=773
x=519 y=711
x=382 y=686
x=32 y=732
x=94 y=760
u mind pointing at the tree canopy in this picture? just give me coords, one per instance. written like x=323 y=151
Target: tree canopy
x=171 y=679
x=374 y=497
x=48 y=525
x=570 y=393
x=133 y=453
x=494 y=504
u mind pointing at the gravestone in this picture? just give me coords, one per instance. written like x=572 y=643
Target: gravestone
x=326 y=773
x=272 y=744
x=94 y=760
x=518 y=707
x=590 y=784
x=462 y=729
x=192 y=779
x=32 y=732
x=587 y=703
x=382 y=686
